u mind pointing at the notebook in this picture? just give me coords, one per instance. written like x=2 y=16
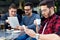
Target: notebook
x=13 y=21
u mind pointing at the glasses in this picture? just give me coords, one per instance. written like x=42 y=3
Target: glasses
x=44 y=10
x=27 y=9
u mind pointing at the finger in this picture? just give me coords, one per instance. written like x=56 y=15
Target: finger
x=24 y=27
x=35 y=22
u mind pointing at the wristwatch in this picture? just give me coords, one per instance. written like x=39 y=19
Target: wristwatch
x=37 y=36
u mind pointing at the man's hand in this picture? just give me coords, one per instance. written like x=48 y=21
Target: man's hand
x=35 y=22
x=37 y=27
x=7 y=21
x=20 y=28
x=29 y=32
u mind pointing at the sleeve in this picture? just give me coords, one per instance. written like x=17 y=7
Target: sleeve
x=57 y=27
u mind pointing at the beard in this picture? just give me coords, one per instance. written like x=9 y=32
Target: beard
x=47 y=15
x=27 y=14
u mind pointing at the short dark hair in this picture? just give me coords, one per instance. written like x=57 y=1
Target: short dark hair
x=28 y=4
x=49 y=3
x=12 y=6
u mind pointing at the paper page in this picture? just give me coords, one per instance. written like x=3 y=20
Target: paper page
x=13 y=21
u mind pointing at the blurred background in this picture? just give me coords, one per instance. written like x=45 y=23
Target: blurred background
x=4 y=4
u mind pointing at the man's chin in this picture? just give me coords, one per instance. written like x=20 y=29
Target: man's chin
x=46 y=16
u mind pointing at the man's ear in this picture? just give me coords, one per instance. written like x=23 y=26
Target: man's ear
x=52 y=8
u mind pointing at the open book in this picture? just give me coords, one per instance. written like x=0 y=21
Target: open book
x=13 y=21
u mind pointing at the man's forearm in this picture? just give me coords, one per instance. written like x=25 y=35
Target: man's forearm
x=49 y=37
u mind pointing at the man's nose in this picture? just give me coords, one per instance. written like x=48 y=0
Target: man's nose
x=26 y=11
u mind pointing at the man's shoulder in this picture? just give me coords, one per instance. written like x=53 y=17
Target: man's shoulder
x=57 y=17
x=34 y=14
x=5 y=15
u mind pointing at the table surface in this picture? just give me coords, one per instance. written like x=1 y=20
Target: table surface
x=6 y=35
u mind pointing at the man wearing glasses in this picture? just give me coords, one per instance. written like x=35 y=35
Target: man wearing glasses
x=28 y=20
x=50 y=28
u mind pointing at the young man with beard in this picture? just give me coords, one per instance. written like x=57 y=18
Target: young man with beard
x=50 y=28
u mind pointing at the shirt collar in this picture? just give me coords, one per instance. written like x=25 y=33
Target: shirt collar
x=47 y=19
